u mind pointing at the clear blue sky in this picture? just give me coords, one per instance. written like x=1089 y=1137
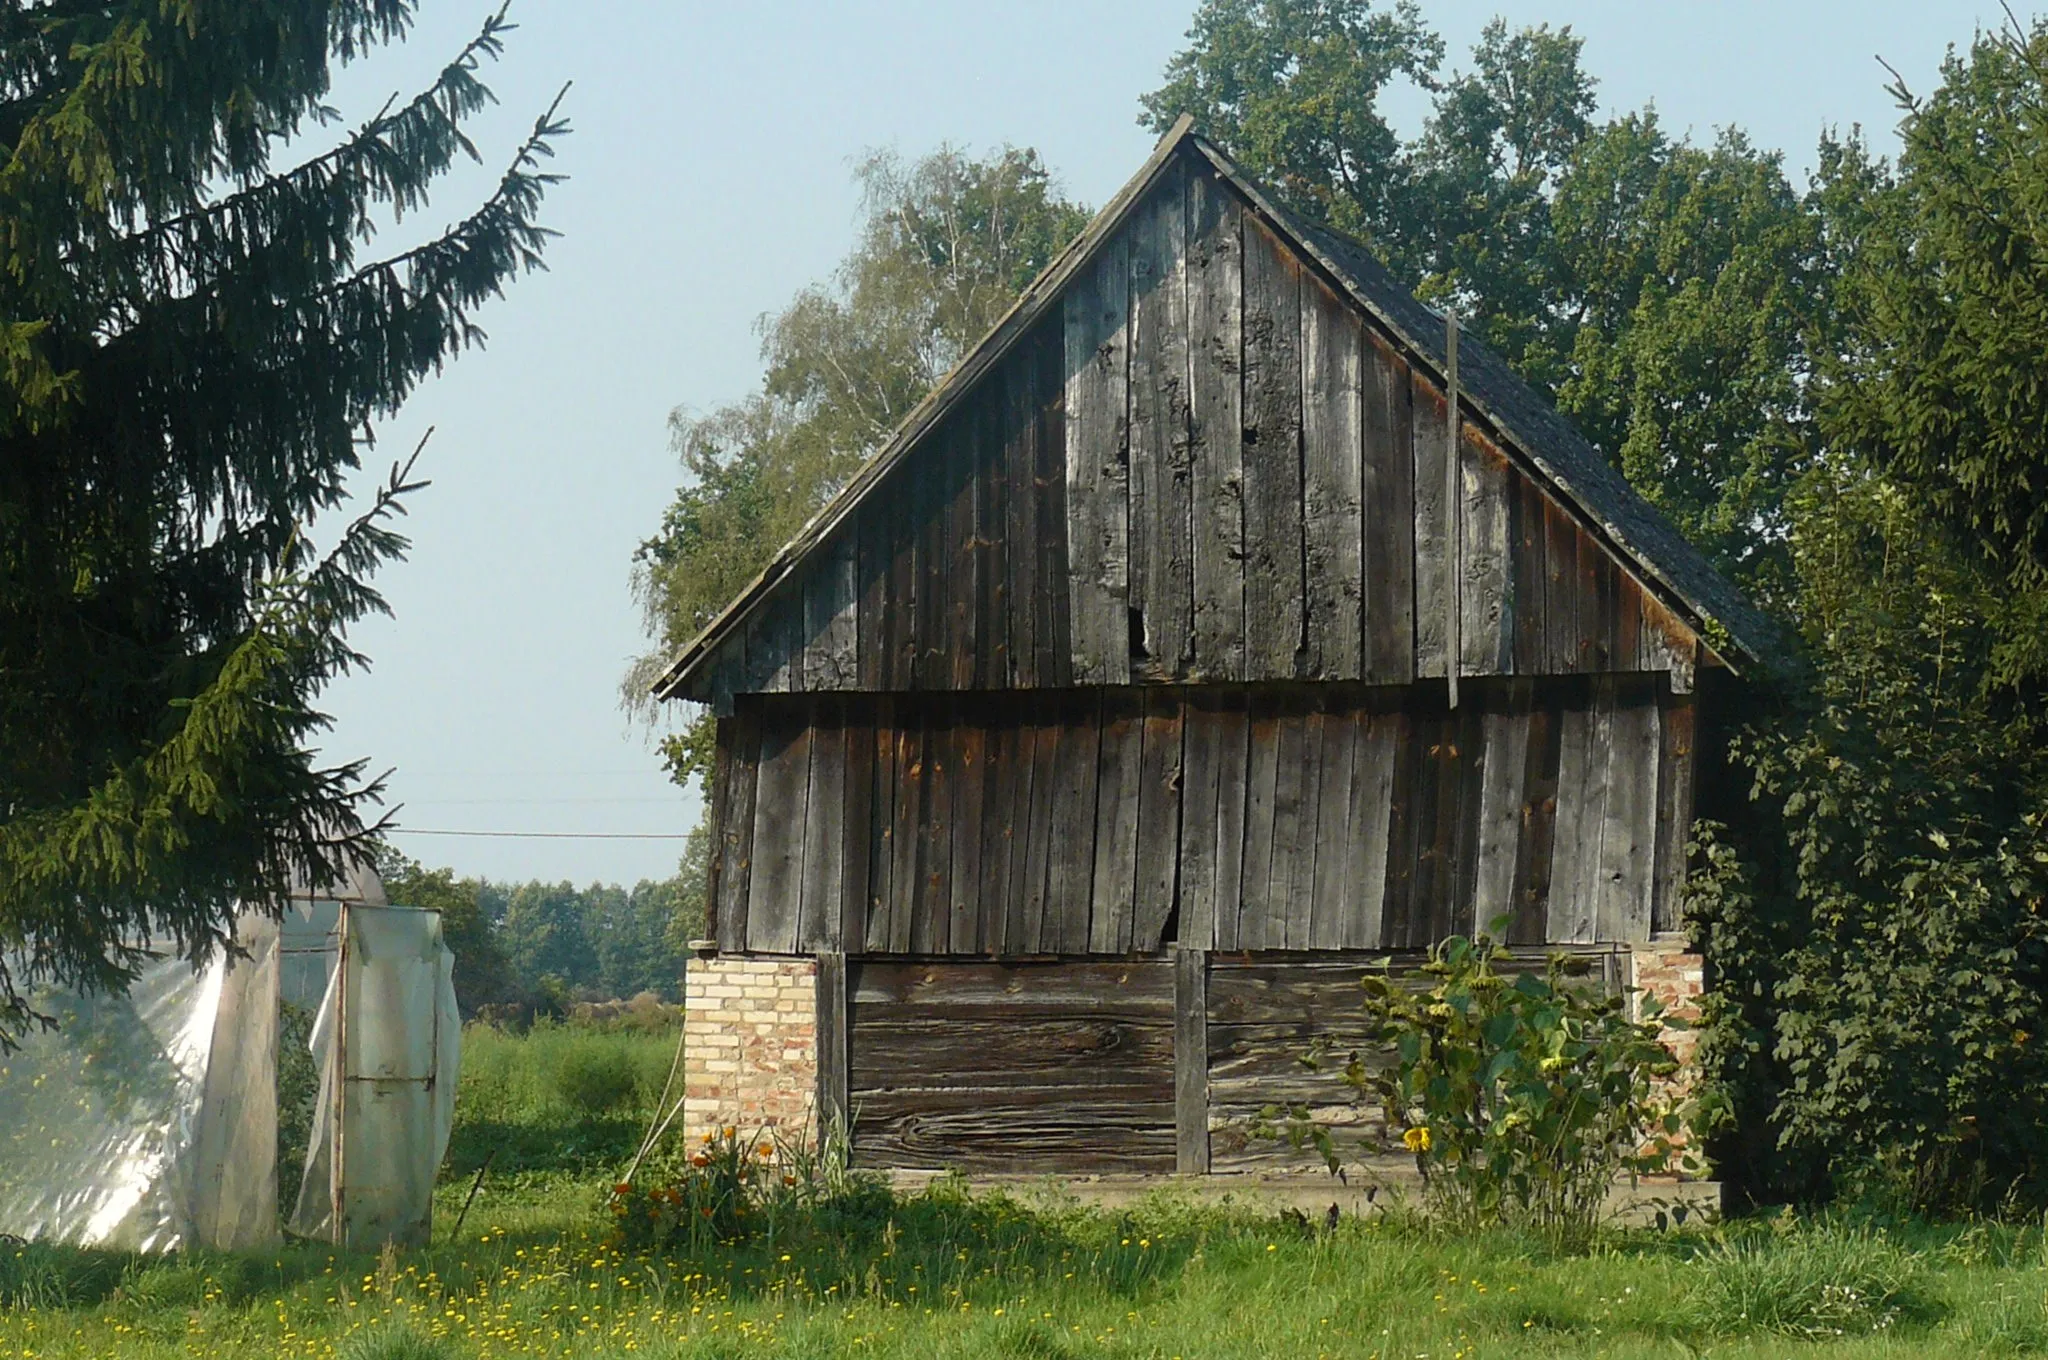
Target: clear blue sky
x=710 y=180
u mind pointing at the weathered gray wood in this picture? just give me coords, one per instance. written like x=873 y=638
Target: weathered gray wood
x=1191 y=1061
x=1052 y=622
x=931 y=930
x=832 y=617
x=1432 y=520
x=1332 y=442
x=739 y=746
x=968 y=780
x=1116 y=819
x=1373 y=796
x=1389 y=514
x=1215 y=425
x=1534 y=850
x=1233 y=756
x=831 y=1018
x=1022 y=550
x=1162 y=551
x=993 y=476
x=1486 y=617
x=1274 y=589
x=822 y=908
x=882 y=848
x=1562 y=654
x=1528 y=580
x=1159 y=819
x=1202 y=738
x=962 y=640
x=775 y=892
x=1454 y=512
x=1005 y=810
x=905 y=897
x=856 y=835
x=1581 y=816
x=1628 y=839
x=1336 y=820
x=1295 y=790
x=1097 y=420
x=1036 y=929
x=1675 y=769
x=1500 y=814
x=1070 y=870
x=1261 y=896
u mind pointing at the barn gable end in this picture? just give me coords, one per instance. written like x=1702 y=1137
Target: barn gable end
x=1209 y=447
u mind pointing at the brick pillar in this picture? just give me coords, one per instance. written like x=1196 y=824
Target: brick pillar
x=750 y=1045
x=1666 y=968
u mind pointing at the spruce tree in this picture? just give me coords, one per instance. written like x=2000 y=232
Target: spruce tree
x=195 y=341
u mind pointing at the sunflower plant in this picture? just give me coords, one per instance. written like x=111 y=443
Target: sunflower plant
x=1522 y=1097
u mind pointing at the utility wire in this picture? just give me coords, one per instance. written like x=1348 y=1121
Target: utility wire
x=545 y=835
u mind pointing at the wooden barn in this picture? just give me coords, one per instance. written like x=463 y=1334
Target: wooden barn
x=1222 y=625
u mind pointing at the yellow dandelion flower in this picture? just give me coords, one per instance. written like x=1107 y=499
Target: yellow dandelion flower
x=1416 y=1139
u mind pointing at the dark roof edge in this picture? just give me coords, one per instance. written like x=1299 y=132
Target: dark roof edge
x=1030 y=304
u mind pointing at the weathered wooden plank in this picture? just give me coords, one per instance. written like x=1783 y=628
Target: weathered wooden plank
x=717 y=813
x=1022 y=550
x=1070 y=865
x=970 y=769
x=1097 y=312
x=967 y=561
x=774 y=895
x=1600 y=580
x=930 y=665
x=1295 y=791
x=1159 y=818
x=992 y=480
x=1274 y=588
x=830 y=1010
x=1560 y=595
x=1500 y=812
x=1527 y=573
x=1628 y=840
x=1202 y=737
x=1486 y=618
x=1036 y=928
x=900 y=500
x=1116 y=820
x=1332 y=443
x=1033 y=1132
x=1191 y=1061
x=1581 y=809
x=1468 y=771
x=905 y=896
x=1012 y=1052
x=1162 y=509
x=1372 y=785
x=1233 y=757
x=1262 y=897
x=822 y=906
x=856 y=833
x=931 y=930
x=958 y=990
x=1389 y=513
x=871 y=581
x=1675 y=767
x=1003 y=825
x=1533 y=851
x=1215 y=426
x=1052 y=622
x=1411 y=834
x=832 y=616
x=882 y=837
x=1337 y=817
x=1429 y=415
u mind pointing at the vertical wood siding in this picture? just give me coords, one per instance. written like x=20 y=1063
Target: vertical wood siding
x=1120 y=820
x=1204 y=466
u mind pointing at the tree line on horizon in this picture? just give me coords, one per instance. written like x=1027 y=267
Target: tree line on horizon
x=1837 y=389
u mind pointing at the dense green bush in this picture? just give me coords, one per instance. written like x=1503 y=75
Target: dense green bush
x=1520 y=1098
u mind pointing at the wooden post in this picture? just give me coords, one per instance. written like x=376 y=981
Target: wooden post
x=831 y=1032
x=1454 y=495
x=1191 y=1061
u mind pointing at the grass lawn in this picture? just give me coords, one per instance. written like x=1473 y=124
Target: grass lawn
x=942 y=1274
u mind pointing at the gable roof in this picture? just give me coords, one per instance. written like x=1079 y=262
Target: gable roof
x=1571 y=466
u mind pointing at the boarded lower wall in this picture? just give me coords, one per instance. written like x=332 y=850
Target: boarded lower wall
x=1012 y=1069
x=1107 y=821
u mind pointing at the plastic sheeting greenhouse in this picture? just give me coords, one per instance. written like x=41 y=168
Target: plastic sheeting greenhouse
x=149 y=1120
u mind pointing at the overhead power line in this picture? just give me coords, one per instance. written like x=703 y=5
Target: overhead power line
x=545 y=835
